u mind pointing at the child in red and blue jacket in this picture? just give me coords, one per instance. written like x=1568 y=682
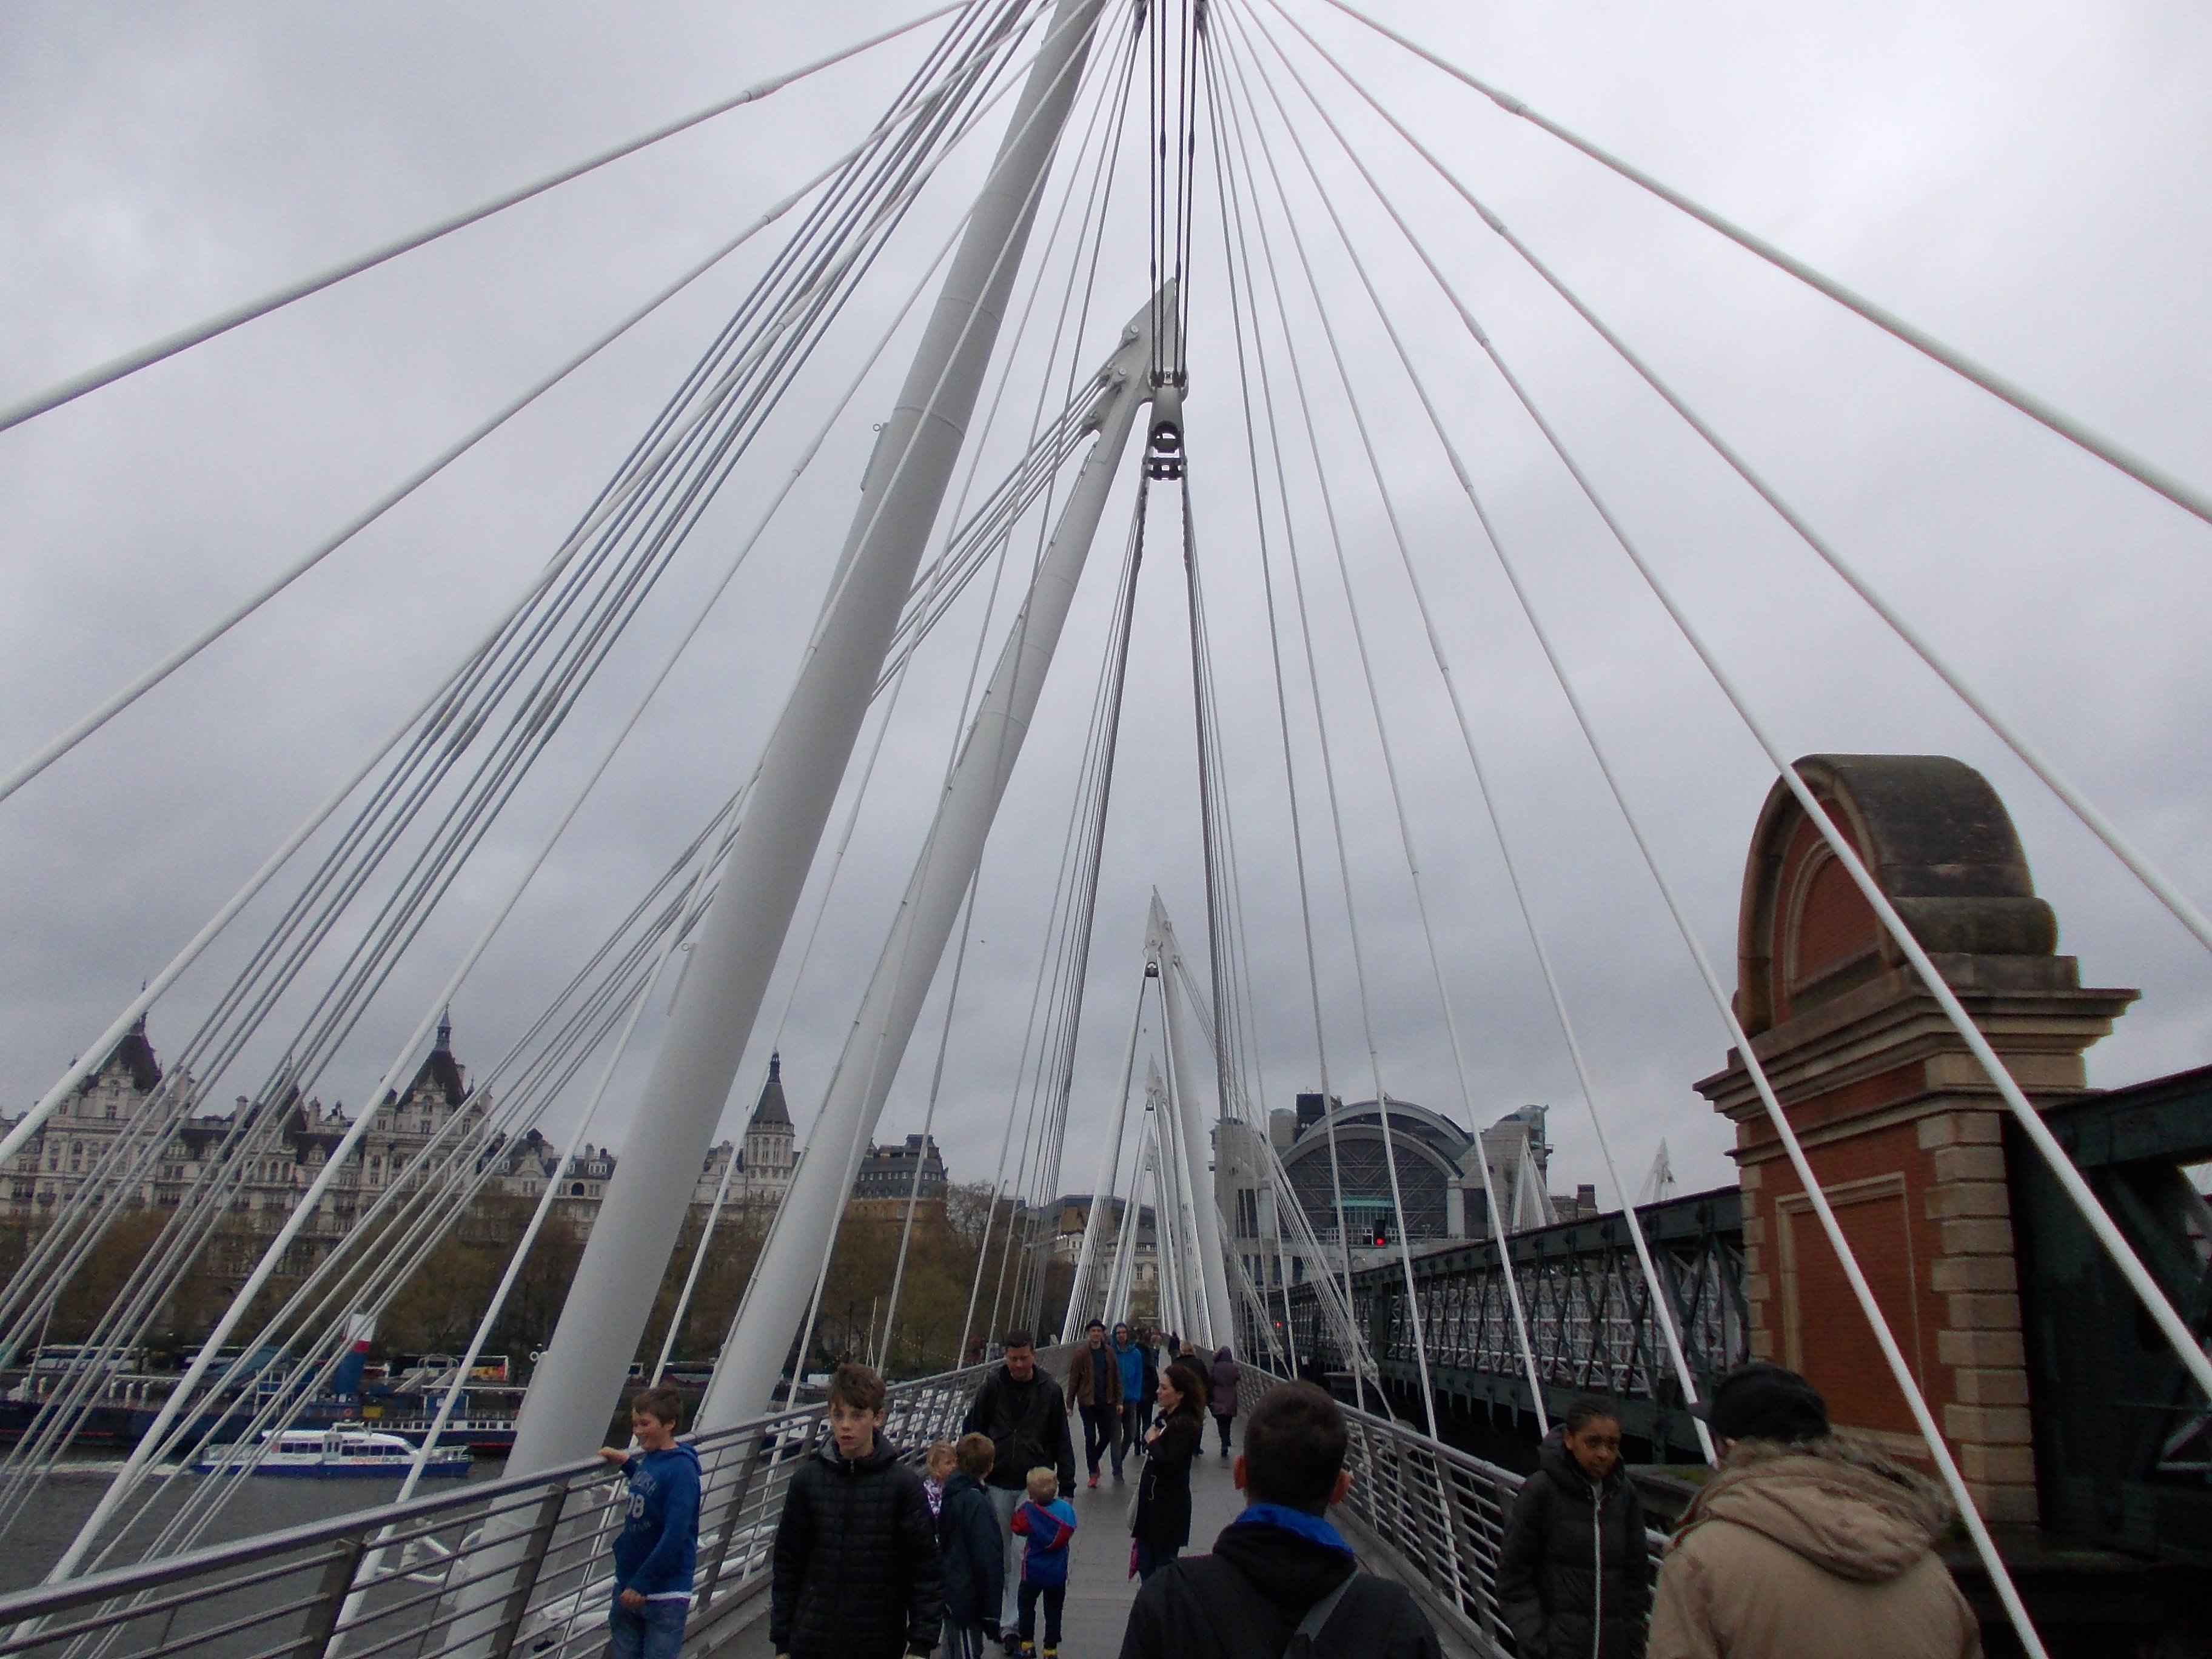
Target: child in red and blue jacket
x=1047 y=1521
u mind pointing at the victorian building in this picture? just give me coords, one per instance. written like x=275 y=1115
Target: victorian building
x=100 y=1131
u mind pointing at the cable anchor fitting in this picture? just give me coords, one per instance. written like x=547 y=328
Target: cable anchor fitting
x=1164 y=443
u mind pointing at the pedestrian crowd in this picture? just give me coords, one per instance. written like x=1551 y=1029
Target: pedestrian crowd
x=1801 y=1544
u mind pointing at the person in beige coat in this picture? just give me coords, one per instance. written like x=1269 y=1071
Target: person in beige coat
x=1805 y=1546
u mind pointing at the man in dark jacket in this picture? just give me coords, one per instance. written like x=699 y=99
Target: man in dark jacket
x=1279 y=1569
x=1574 y=1572
x=857 y=1573
x=1151 y=1359
x=1024 y=1414
x=1094 y=1388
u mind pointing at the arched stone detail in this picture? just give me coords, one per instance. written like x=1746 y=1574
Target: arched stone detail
x=1939 y=843
x=1902 y=1128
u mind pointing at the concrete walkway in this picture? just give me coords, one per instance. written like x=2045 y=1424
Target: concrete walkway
x=1099 y=1589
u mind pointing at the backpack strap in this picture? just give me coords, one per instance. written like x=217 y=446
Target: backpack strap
x=1307 y=1636
x=1235 y=1634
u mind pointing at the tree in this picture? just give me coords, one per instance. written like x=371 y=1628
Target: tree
x=736 y=1246
x=106 y=1268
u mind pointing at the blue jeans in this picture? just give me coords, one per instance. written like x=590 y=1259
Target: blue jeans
x=1150 y=1561
x=654 y=1630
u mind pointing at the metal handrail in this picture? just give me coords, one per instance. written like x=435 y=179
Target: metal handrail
x=301 y=1591
x=1439 y=1512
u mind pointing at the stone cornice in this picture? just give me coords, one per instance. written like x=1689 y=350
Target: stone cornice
x=1890 y=1040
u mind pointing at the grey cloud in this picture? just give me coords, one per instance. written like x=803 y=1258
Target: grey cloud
x=2025 y=180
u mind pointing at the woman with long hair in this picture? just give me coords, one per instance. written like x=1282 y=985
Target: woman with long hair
x=1161 y=1526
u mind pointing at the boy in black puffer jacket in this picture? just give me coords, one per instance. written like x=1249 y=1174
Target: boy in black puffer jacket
x=1574 y=1575
x=857 y=1572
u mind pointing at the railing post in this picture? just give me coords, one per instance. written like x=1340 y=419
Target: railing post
x=1454 y=1561
x=740 y=1489
x=330 y=1600
x=526 y=1576
x=1485 y=1604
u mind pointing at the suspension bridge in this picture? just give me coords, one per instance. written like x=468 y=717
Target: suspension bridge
x=1193 y=283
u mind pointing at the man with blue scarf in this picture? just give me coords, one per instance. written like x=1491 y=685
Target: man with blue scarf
x=1281 y=1580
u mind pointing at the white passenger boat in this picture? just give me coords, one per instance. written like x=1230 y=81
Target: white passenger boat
x=345 y=1452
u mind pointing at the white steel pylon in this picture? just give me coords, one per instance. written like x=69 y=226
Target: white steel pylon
x=1125 y=1240
x=1079 y=1293
x=795 y=1255
x=1171 y=1225
x=1659 y=1181
x=564 y=1414
x=1211 y=1313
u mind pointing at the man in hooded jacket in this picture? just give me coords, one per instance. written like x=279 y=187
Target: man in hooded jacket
x=1280 y=1569
x=1805 y=1546
x=1129 y=1360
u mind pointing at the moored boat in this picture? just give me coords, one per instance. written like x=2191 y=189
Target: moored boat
x=492 y=1435
x=347 y=1452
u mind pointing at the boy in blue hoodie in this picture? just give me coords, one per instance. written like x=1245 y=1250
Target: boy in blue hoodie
x=1047 y=1521
x=658 y=1544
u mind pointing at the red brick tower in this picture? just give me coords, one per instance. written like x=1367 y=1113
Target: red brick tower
x=1902 y=1127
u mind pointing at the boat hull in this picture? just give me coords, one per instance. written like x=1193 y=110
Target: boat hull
x=390 y=1469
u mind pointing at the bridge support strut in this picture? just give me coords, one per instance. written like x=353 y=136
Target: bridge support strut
x=798 y=1245
x=581 y=1374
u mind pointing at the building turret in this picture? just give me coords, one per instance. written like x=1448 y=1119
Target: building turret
x=771 y=1151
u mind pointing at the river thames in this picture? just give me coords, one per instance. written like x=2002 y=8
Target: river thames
x=262 y=1503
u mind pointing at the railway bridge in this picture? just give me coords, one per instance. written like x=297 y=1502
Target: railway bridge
x=1592 y=1325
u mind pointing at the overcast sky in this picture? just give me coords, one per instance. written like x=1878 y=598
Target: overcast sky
x=2027 y=180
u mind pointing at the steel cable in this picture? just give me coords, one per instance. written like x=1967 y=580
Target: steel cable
x=169 y=345
x=2182 y=494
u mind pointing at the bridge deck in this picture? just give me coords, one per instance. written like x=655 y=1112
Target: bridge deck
x=1099 y=1589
